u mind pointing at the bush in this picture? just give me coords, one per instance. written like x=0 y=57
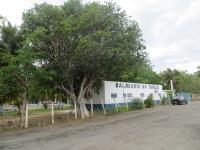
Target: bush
x=119 y=108
x=149 y=102
x=165 y=101
x=136 y=104
x=122 y=109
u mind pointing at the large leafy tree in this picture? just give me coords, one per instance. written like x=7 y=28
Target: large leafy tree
x=16 y=67
x=182 y=81
x=83 y=44
x=16 y=78
x=197 y=73
x=143 y=74
x=190 y=83
x=10 y=40
x=9 y=44
x=174 y=75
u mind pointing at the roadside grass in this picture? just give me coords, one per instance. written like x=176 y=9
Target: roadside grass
x=31 y=112
x=41 y=117
x=9 y=114
x=38 y=117
x=135 y=104
x=43 y=111
x=165 y=101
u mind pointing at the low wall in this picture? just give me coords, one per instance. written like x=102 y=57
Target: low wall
x=195 y=97
x=111 y=106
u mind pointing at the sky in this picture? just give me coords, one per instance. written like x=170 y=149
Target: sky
x=171 y=28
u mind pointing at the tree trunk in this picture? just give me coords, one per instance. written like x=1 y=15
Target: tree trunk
x=79 y=101
x=83 y=110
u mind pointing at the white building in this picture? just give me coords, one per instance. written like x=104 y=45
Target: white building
x=122 y=92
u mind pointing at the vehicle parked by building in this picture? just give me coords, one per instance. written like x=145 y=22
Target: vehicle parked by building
x=185 y=95
x=179 y=100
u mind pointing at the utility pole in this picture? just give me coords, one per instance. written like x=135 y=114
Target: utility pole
x=172 y=87
x=171 y=83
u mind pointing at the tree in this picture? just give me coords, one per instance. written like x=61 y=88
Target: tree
x=175 y=76
x=143 y=74
x=83 y=44
x=190 y=83
x=16 y=78
x=182 y=81
x=16 y=67
x=198 y=72
x=9 y=41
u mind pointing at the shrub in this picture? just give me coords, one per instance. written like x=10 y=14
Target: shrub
x=122 y=109
x=136 y=104
x=165 y=100
x=119 y=108
x=149 y=102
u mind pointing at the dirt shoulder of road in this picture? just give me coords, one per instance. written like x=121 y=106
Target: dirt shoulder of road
x=99 y=118
x=160 y=128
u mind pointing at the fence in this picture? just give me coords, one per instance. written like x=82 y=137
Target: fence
x=195 y=97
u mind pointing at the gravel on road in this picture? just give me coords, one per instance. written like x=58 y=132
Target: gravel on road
x=162 y=128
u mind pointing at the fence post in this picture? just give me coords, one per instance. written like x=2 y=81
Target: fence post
x=52 y=113
x=126 y=104
x=75 y=109
x=26 y=118
x=116 y=106
x=103 y=107
x=143 y=103
x=92 y=111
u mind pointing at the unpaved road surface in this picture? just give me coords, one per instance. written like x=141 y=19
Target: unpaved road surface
x=163 y=128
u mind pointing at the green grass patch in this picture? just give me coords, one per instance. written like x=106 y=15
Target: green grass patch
x=31 y=112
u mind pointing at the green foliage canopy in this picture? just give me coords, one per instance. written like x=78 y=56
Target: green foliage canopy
x=83 y=44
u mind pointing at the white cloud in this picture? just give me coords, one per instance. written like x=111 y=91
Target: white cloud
x=172 y=32
x=191 y=13
x=170 y=28
x=13 y=9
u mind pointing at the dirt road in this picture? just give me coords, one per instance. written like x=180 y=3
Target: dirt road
x=163 y=128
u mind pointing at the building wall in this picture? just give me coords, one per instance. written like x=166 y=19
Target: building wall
x=121 y=91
